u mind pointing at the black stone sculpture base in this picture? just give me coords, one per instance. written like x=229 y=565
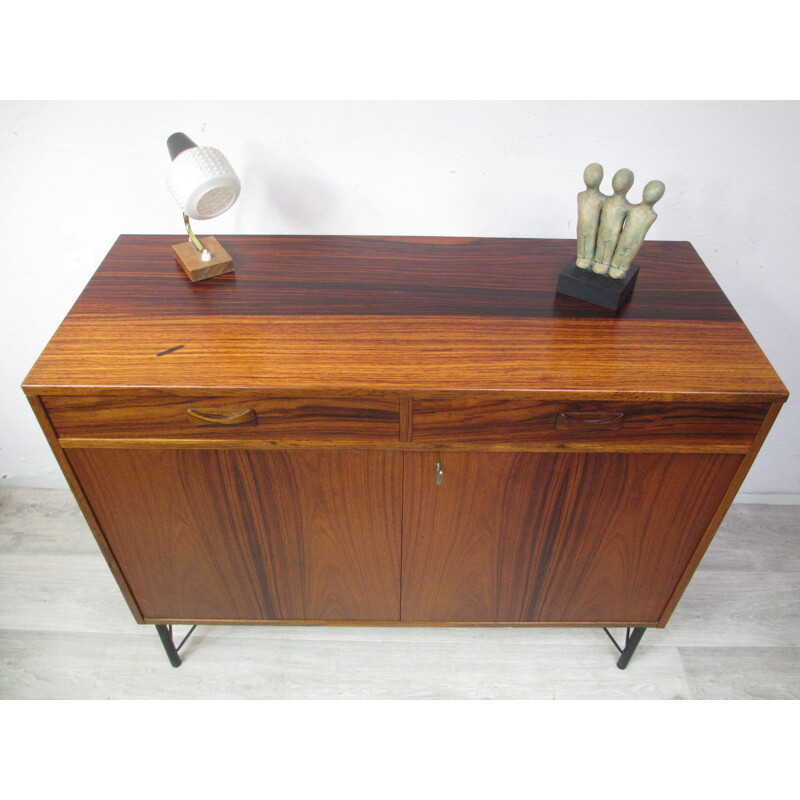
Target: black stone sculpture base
x=599 y=290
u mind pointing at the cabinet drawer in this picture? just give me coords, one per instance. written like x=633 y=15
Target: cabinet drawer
x=220 y=417
x=562 y=424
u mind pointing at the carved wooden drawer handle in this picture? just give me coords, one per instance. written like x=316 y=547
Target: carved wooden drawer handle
x=246 y=416
x=585 y=420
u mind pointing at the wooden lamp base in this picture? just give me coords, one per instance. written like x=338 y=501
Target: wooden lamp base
x=195 y=268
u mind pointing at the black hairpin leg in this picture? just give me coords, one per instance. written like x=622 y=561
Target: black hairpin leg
x=632 y=638
x=165 y=634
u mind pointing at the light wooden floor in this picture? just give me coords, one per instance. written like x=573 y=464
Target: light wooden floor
x=66 y=632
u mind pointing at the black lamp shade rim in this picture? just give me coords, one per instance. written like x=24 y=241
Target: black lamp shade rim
x=177 y=143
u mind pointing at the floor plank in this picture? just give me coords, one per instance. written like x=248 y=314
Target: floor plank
x=45 y=665
x=756 y=537
x=43 y=521
x=736 y=609
x=742 y=673
x=60 y=593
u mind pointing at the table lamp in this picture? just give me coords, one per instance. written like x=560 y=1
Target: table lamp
x=204 y=185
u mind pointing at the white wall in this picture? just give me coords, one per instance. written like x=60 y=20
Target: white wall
x=75 y=175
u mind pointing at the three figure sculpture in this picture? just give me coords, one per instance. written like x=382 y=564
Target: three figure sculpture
x=610 y=229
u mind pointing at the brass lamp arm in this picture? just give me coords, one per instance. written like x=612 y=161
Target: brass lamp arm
x=204 y=254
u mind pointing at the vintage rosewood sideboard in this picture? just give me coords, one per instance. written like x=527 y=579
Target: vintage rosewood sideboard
x=412 y=431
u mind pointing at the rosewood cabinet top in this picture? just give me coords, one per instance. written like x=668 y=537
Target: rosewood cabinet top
x=404 y=315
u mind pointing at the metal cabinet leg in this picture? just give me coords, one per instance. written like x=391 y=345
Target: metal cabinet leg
x=632 y=638
x=165 y=634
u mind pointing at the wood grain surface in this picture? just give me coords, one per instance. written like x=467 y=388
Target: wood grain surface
x=341 y=314
x=292 y=418
x=521 y=420
x=251 y=535
x=553 y=538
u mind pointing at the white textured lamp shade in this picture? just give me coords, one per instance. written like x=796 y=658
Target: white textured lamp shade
x=203 y=182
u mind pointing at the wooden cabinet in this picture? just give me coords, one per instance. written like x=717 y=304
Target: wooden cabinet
x=401 y=431
x=251 y=535
x=566 y=538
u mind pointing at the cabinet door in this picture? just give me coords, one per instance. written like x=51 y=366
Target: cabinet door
x=552 y=537
x=248 y=535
